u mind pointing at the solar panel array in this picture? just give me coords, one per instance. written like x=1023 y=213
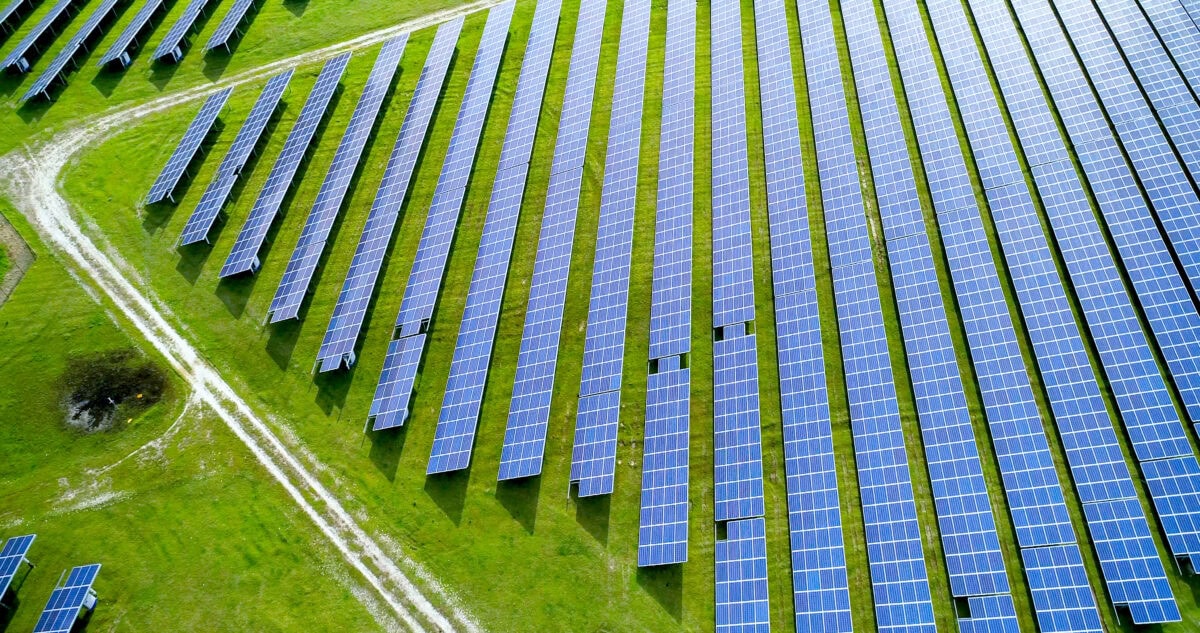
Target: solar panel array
x=594 y=456
x=227 y=30
x=92 y=27
x=11 y=559
x=820 y=586
x=476 y=335
x=1135 y=577
x=337 y=348
x=63 y=607
x=217 y=193
x=20 y=58
x=390 y=406
x=1179 y=34
x=1163 y=293
x=172 y=46
x=741 y=569
x=663 y=524
x=529 y=409
x=894 y=551
x=168 y=180
x=1140 y=391
x=737 y=449
x=127 y=40
x=12 y=15
x=244 y=256
x=300 y=269
x=1193 y=8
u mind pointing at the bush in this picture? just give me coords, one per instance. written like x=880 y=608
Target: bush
x=97 y=385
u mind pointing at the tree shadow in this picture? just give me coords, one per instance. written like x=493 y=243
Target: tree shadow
x=386 y=449
x=520 y=498
x=665 y=584
x=592 y=513
x=449 y=492
x=282 y=341
x=332 y=387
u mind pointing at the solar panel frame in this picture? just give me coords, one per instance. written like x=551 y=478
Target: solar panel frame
x=185 y=152
x=172 y=45
x=120 y=48
x=12 y=556
x=597 y=420
x=29 y=49
x=228 y=28
x=741 y=578
x=345 y=324
x=663 y=521
x=213 y=200
x=78 y=42
x=62 y=609
x=328 y=204
x=243 y=258
x=529 y=408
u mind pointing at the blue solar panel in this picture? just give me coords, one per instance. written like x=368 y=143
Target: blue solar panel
x=595 y=451
x=164 y=186
x=737 y=451
x=127 y=42
x=12 y=14
x=11 y=559
x=742 y=605
x=662 y=532
x=62 y=610
x=227 y=30
x=217 y=193
x=663 y=526
x=1094 y=455
x=894 y=549
x=244 y=256
x=989 y=614
x=389 y=408
x=64 y=61
x=1179 y=34
x=299 y=272
x=337 y=348
x=529 y=410
x=171 y=48
x=1058 y=583
x=31 y=47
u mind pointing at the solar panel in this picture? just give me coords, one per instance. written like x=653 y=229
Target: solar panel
x=227 y=31
x=244 y=256
x=737 y=450
x=594 y=454
x=299 y=272
x=455 y=435
x=820 y=586
x=662 y=531
x=92 y=28
x=986 y=614
x=21 y=58
x=389 y=407
x=127 y=41
x=1058 y=582
x=741 y=558
x=894 y=549
x=337 y=348
x=1093 y=453
x=198 y=225
x=12 y=14
x=62 y=610
x=164 y=186
x=1179 y=34
x=529 y=410
x=11 y=559
x=171 y=48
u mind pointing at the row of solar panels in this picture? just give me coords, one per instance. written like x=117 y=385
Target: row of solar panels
x=73 y=598
x=42 y=36
x=1063 y=600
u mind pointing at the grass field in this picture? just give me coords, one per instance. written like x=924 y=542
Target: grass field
x=191 y=531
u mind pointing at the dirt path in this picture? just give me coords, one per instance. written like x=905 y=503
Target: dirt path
x=29 y=178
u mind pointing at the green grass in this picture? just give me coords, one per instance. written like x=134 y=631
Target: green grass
x=5 y=263
x=520 y=556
